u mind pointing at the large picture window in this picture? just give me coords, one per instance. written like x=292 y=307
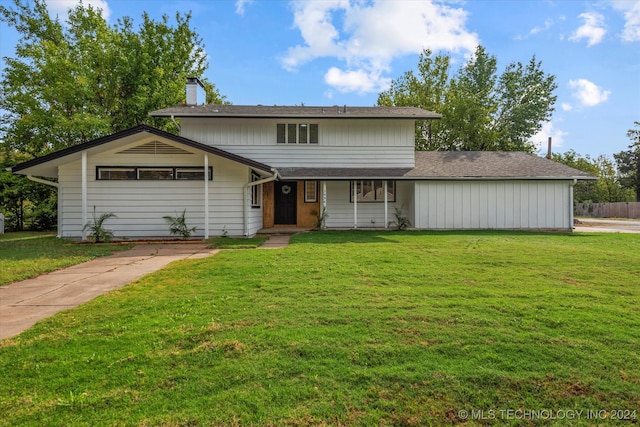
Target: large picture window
x=297 y=133
x=147 y=173
x=373 y=191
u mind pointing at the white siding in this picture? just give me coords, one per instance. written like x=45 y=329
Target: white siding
x=342 y=143
x=140 y=205
x=493 y=205
x=370 y=215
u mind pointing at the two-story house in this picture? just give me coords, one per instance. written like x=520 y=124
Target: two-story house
x=239 y=169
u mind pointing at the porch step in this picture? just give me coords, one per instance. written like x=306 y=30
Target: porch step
x=283 y=230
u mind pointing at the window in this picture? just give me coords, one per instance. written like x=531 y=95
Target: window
x=311 y=191
x=116 y=173
x=256 y=191
x=297 y=133
x=373 y=191
x=192 y=174
x=155 y=174
x=165 y=173
x=281 y=130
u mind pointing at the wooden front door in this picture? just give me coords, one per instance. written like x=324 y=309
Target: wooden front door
x=285 y=202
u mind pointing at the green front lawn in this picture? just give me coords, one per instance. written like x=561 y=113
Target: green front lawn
x=352 y=328
x=28 y=254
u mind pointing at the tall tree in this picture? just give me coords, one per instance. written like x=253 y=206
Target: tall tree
x=629 y=162
x=608 y=185
x=84 y=79
x=482 y=110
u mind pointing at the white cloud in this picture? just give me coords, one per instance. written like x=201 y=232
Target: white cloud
x=367 y=36
x=240 y=4
x=631 y=10
x=359 y=81
x=566 y=106
x=61 y=7
x=547 y=24
x=593 y=29
x=541 y=139
x=588 y=93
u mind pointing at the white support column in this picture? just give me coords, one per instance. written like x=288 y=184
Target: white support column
x=206 y=196
x=355 y=204
x=324 y=203
x=60 y=212
x=84 y=195
x=386 y=207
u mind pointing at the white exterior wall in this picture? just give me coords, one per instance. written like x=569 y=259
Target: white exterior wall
x=140 y=205
x=370 y=215
x=342 y=143
x=493 y=205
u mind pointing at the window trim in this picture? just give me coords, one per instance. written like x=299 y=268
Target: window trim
x=136 y=172
x=256 y=191
x=372 y=181
x=315 y=192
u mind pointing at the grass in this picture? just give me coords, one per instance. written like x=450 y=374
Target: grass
x=353 y=328
x=28 y=254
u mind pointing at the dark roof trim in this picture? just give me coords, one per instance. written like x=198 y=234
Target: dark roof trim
x=133 y=131
x=296 y=112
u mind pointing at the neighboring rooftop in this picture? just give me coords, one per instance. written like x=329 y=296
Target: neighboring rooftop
x=263 y=111
x=453 y=165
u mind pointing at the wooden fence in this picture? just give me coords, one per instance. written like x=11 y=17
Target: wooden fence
x=609 y=210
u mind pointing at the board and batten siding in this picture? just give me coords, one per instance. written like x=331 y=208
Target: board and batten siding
x=538 y=205
x=140 y=205
x=342 y=143
x=370 y=215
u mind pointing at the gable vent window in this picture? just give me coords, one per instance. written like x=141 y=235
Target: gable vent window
x=146 y=173
x=297 y=133
x=154 y=147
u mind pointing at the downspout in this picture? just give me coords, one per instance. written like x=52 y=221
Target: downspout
x=57 y=186
x=175 y=123
x=573 y=183
x=245 y=198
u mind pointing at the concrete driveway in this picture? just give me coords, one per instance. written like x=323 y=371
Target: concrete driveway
x=607 y=225
x=24 y=303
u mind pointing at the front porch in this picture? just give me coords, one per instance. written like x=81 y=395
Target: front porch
x=291 y=206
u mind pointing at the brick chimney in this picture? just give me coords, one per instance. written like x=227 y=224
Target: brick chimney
x=196 y=94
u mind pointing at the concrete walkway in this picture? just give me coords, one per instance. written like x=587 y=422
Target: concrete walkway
x=276 y=241
x=24 y=303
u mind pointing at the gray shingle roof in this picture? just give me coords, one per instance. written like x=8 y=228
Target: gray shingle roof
x=263 y=111
x=453 y=165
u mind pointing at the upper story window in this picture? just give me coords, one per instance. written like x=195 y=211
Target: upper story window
x=297 y=133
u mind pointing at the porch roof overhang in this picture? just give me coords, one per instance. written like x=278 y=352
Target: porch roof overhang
x=47 y=166
x=452 y=166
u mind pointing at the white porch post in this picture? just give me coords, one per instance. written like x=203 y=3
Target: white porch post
x=355 y=204
x=386 y=207
x=84 y=195
x=324 y=203
x=206 y=196
x=60 y=196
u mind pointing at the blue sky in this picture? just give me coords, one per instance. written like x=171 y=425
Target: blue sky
x=347 y=51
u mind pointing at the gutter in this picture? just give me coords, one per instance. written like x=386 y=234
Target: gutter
x=245 y=193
